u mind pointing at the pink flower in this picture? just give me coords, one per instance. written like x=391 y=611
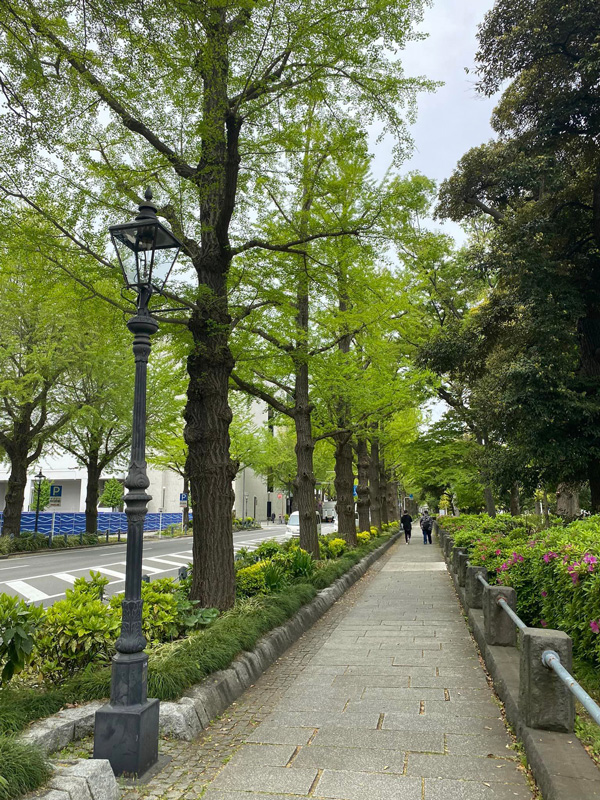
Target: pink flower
x=543 y=623
x=550 y=555
x=544 y=593
x=590 y=559
x=498 y=552
x=594 y=626
x=574 y=577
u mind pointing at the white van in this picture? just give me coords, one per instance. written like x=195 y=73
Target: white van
x=293 y=524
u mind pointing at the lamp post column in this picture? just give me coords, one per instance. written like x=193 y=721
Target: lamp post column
x=126 y=730
x=37 y=506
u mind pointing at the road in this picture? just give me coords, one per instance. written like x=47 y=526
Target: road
x=44 y=578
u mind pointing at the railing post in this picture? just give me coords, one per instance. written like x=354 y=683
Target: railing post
x=499 y=627
x=544 y=700
x=474 y=587
x=463 y=561
x=448 y=545
x=456 y=552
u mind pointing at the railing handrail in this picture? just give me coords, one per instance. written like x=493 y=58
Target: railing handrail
x=551 y=660
x=512 y=614
x=482 y=580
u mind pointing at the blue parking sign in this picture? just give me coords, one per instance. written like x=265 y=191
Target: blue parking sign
x=55 y=490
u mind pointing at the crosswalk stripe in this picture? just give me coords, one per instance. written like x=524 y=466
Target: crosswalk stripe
x=29 y=592
x=112 y=572
x=164 y=561
x=65 y=576
x=151 y=570
x=181 y=556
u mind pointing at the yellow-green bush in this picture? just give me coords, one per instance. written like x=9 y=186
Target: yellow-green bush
x=363 y=537
x=251 y=580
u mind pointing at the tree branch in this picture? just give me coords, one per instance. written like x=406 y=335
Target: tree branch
x=244 y=386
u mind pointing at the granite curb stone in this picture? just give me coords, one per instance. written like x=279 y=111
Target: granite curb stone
x=83 y=779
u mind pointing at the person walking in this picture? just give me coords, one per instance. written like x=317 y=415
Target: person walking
x=406 y=522
x=426 y=525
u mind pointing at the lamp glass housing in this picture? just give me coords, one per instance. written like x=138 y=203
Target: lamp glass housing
x=147 y=252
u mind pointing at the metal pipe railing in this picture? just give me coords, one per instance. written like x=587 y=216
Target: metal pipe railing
x=482 y=580
x=551 y=660
x=515 y=618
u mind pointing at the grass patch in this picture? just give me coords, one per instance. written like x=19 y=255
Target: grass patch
x=22 y=768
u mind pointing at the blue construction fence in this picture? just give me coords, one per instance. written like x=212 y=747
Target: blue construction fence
x=60 y=523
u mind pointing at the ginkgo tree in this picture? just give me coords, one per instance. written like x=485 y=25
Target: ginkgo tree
x=191 y=97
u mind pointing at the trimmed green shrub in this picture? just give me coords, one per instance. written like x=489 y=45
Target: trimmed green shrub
x=250 y=580
x=76 y=631
x=18 y=625
x=22 y=768
x=267 y=549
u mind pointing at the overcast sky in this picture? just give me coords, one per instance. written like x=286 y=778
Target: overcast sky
x=454 y=118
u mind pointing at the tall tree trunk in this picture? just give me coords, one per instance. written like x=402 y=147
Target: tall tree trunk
x=374 y=492
x=594 y=479
x=490 y=505
x=15 y=492
x=546 y=509
x=383 y=492
x=92 y=491
x=304 y=484
x=344 y=475
x=185 y=518
x=567 y=502
x=392 y=501
x=344 y=486
x=209 y=467
x=362 y=490
x=207 y=414
x=515 y=507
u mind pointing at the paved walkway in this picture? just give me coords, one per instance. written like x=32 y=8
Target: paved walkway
x=384 y=698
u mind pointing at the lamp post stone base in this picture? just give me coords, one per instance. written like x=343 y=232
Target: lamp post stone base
x=128 y=737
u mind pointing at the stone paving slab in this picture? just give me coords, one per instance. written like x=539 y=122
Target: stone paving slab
x=383 y=698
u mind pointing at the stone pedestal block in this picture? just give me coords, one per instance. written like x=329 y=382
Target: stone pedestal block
x=128 y=737
x=544 y=700
x=474 y=587
x=499 y=627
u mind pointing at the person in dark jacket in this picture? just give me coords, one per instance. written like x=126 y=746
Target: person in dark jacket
x=406 y=522
x=426 y=526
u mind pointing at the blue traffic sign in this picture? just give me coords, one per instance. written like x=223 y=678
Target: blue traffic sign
x=411 y=496
x=55 y=490
x=183 y=497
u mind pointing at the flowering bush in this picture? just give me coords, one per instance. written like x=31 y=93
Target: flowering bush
x=555 y=572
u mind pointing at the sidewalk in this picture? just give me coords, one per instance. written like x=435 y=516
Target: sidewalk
x=383 y=698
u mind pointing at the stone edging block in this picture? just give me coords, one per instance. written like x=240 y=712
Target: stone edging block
x=185 y=718
x=83 y=779
x=559 y=763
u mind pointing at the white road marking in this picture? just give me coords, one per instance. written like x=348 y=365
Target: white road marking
x=2 y=569
x=163 y=561
x=65 y=576
x=29 y=592
x=112 y=572
x=152 y=570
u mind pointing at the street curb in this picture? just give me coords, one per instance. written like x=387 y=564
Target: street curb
x=82 y=779
x=560 y=764
x=187 y=717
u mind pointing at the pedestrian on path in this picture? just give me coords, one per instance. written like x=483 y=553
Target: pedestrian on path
x=406 y=522
x=426 y=526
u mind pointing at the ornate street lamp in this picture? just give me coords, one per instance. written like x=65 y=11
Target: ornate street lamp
x=126 y=729
x=37 y=481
